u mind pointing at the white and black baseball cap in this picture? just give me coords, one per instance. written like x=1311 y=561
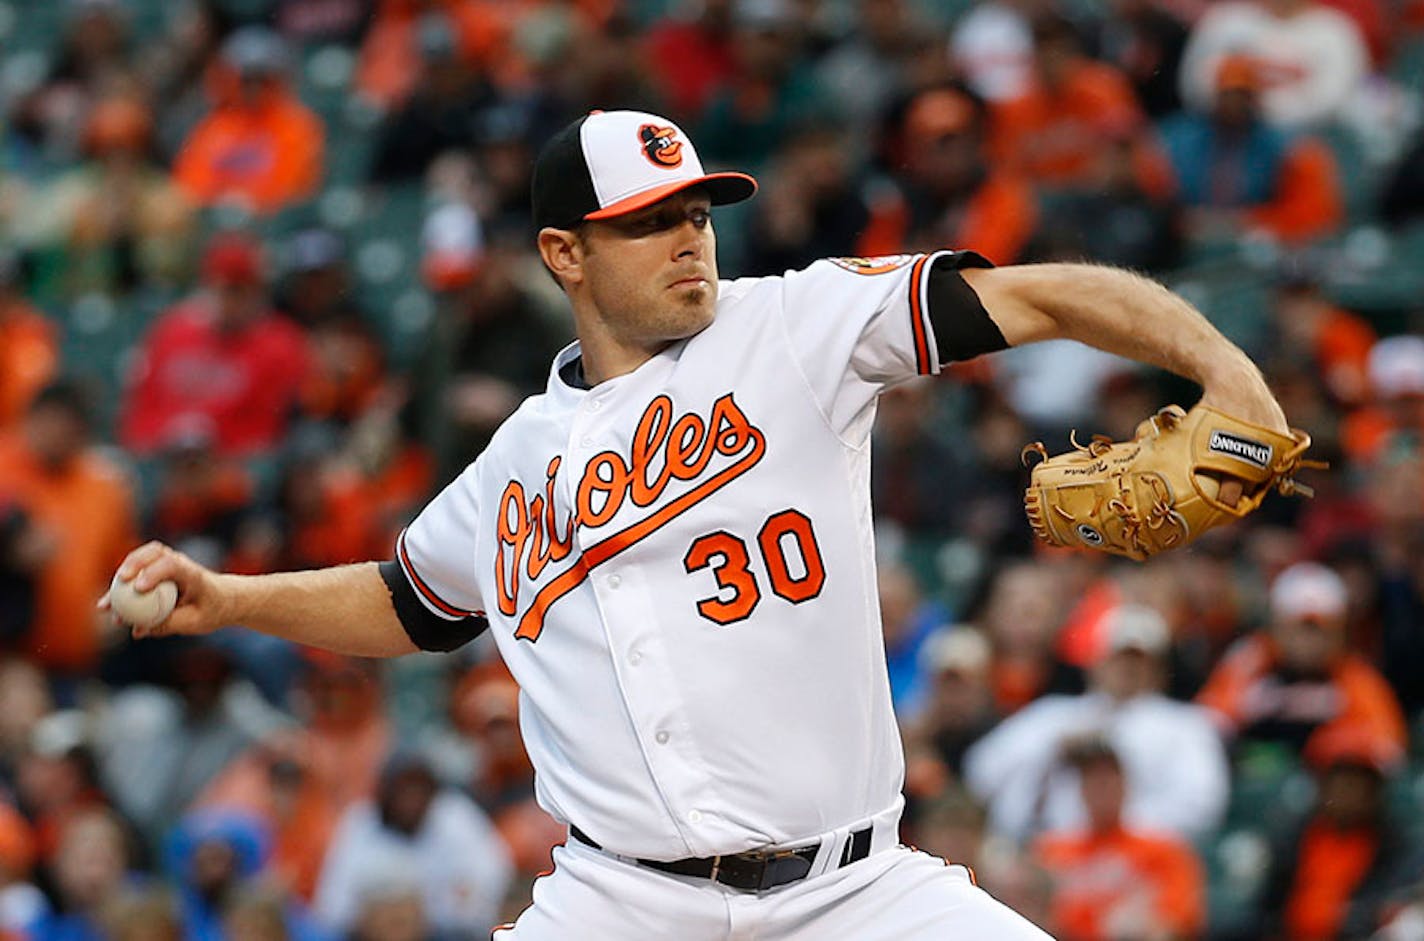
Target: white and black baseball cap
x=608 y=163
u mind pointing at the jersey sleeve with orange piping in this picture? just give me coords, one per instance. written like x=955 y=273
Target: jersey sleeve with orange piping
x=1307 y=202
x=858 y=325
x=432 y=578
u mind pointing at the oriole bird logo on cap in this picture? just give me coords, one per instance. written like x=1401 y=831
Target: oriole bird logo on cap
x=659 y=146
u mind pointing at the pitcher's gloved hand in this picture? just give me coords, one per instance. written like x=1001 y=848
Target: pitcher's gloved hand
x=1181 y=475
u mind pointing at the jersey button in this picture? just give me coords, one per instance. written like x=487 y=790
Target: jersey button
x=694 y=816
x=614 y=581
x=586 y=441
x=662 y=738
x=635 y=657
x=595 y=405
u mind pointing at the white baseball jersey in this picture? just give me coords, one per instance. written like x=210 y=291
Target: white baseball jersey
x=678 y=565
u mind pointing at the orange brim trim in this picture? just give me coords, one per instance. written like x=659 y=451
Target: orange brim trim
x=724 y=188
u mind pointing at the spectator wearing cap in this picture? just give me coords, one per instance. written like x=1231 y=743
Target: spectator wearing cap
x=948 y=191
x=224 y=355
x=1175 y=766
x=1235 y=172
x=960 y=706
x=259 y=147
x=441 y=112
x=116 y=223
x=1313 y=59
x=1331 y=877
x=1072 y=107
x=1394 y=406
x=348 y=364
x=81 y=507
x=437 y=837
x=1297 y=680
x=29 y=346
x=1114 y=879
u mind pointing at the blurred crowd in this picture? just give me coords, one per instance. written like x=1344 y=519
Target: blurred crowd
x=266 y=283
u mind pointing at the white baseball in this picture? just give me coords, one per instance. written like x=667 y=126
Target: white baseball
x=143 y=609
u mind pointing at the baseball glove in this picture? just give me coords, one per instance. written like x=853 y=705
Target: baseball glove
x=1164 y=488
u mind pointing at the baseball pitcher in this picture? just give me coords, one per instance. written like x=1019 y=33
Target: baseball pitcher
x=672 y=546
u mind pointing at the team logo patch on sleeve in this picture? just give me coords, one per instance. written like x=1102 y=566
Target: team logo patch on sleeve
x=877 y=265
x=1256 y=453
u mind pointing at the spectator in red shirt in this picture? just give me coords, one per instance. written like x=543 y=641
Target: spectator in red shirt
x=223 y=355
x=690 y=51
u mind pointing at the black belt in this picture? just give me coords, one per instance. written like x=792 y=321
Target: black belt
x=751 y=871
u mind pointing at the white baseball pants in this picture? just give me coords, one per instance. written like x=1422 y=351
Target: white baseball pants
x=897 y=894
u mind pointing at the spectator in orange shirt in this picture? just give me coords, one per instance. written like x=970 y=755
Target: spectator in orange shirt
x=1073 y=107
x=949 y=193
x=1112 y=882
x=260 y=146
x=1331 y=877
x=1298 y=681
x=1238 y=173
x=29 y=346
x=83 y=508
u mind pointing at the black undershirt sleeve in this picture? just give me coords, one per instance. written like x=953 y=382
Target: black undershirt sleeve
x=962 y=327
x=427 y=630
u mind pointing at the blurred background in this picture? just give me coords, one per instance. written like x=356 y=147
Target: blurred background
x=266 y=284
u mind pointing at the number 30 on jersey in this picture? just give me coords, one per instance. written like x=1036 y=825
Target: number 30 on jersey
x=787 y=545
